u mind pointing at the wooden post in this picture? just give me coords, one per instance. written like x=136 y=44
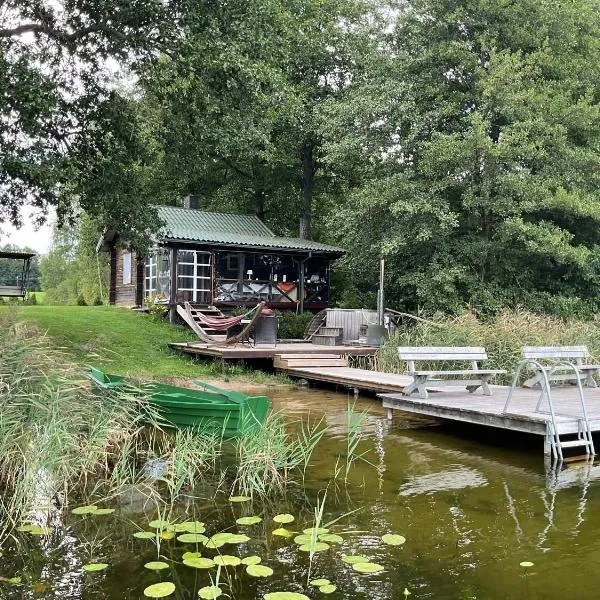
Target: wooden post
x=301 y=283
x=173 y=285
x=112 y=286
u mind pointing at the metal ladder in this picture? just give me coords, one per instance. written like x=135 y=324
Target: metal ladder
x=584 y=431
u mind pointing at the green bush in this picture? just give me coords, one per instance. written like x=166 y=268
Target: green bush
x=81 y=300
x=291 y=325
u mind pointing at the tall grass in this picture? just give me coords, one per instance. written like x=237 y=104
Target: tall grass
x=503 y=336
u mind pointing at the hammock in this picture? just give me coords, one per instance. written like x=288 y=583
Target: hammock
x=196 y=320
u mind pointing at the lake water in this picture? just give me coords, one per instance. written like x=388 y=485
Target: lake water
x=470 y=512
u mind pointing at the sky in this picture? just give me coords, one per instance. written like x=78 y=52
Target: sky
x=39 y=240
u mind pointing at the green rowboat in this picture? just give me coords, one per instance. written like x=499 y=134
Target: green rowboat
x=208 y=407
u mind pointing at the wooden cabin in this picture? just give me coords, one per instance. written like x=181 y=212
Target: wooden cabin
x=223 y=260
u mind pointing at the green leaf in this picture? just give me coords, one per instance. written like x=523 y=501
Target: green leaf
x=248 y=520
x=367 y=567
x=159 y=590
x=199 y=563
x=190 y=555
x=320 y=582
x=331 y=538
x=192 y=526
x=303 y=539
x=103 y=511
x=14 y=580
x=314 y=547
x=285 y=596
x=192 y=538
x=259 y=570
x=144 y=535
x=282 y=532
x=210 y=592
x=226 y=560
x=159 y=524
x=328 y=589
x=85 y=510
x=526 y=564
x=317 y=530
x=283 y=518
x=156 y=565
x=39 y=530
x=352 y=559
x=251 y=560
x=392 y=539
x=239 y=498
x=95 y=567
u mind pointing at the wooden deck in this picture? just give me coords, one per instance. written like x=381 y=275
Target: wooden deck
x=461 y=406
x=246 y=351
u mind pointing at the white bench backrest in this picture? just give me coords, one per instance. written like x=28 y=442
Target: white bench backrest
x=432 y=353
x=551 y=352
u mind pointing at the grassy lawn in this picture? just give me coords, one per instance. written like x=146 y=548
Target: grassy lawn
x=123 y=342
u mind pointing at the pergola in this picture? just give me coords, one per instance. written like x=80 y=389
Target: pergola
x=16 y=291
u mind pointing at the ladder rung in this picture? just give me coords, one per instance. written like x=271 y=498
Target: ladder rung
x=575 y=443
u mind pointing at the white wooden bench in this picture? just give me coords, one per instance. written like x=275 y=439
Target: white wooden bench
x=473 y=378
x=558 y=361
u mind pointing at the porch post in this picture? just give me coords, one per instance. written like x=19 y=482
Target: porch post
x=301 y=283
x=173 y=285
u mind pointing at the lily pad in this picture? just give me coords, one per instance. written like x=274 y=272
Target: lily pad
x=285 y=596
x=190 y=555
x=314 y=547
x=178 y=527
x=282 y=532
x=526 y=564
x=156 y=565
x=303 y=539
x=166 y=535
x=144 y=535
x=94 y=567
x=239 y=498
x=25 y=527
x=210 y=592
x=392 y=539
x=40 y=530
x=259 y=571
x=103 y=511
x=226 y=560
x=248 y=520
x=84 y=510
x=283 y=518
x=199 y=563
x=317 y=530
x=352 y=559
x=159 y=524
x=193 y=526
x=192 y=538
x=367 y=567
x=159 y=590
x=251 y=560
x=331 y=538
x=320 y=582
x=328 y=589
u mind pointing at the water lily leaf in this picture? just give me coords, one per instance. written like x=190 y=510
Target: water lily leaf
x=352 y=559
x=39 y=530
x=320 y=582
x=317 y=530
x=331 y=538
x=328 y=589
x=225 y=560
x=190 y=555
x=158 y=524
x=367 y=567
x=285 y=596
x=178 y=527
x=193 y=526
x=167 y=535
x=144 y=535
x=25 y=527
x=14 y=580
x=239 y=498
x=102 y=511
x=210 y=592
x=283 y=532
x=526 y=564
x=156 y=565
x=199 y=563
x=95 y=567
x=251 y=560
x=303 y=539
x=192 y=538
x=283 y=518
x=84 y=510
x=159 y=590
x=314 y=547
x=213 y=544
x=248 y=520
x=391 y=539
x=259 y=571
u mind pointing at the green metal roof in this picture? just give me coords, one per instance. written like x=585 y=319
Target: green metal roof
x=229 y=229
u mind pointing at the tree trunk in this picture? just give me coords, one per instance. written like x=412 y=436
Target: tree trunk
x=308 y=184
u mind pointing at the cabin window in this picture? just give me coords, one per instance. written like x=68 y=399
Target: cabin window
x=158 y=275
x=126 y=268
x=193 y=276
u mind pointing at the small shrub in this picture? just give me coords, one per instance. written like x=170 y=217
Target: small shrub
x=98 y=301
x=30 y=298
x=291 y=325
x=81 y=300
x=157 y=309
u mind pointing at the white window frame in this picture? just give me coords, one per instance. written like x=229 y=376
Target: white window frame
x=200 y=283
x=150 y=275
x=127 y=268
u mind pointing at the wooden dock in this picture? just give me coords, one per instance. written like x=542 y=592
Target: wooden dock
x=460 y=406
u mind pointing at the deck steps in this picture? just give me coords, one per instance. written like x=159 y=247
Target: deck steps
x=291 y=361
x=328 y=336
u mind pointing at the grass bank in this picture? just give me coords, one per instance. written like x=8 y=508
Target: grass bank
x=124 y=342
x=503 y=337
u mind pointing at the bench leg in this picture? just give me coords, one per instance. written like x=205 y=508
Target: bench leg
x=589 y=379
x=533 y=381
x=417 y=385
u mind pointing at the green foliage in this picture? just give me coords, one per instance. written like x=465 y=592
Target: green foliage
x=156 y=307
x=291 y=325
x=503 y=336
